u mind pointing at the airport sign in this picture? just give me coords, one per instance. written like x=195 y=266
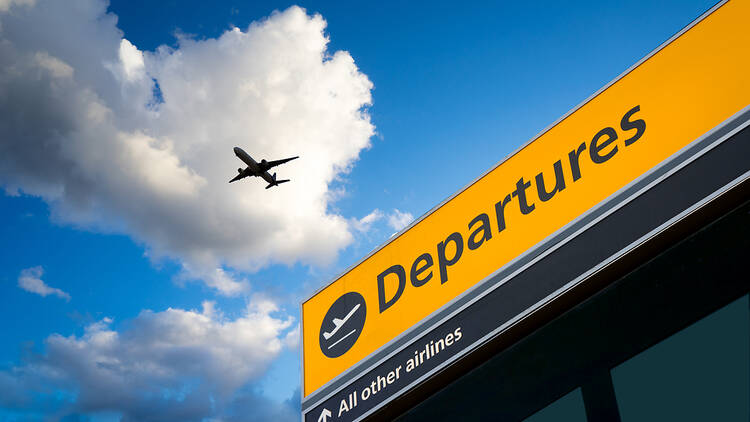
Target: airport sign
x=378 y=311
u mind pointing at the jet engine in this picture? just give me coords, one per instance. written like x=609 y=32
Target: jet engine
x=239 y=170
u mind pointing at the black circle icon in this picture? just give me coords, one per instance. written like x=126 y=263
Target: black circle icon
x=342 y=324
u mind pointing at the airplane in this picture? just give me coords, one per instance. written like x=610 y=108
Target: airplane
x=258 y=169
x=339 y=322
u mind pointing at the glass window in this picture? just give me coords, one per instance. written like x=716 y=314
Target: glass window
x=567 y=408
x=698 y=374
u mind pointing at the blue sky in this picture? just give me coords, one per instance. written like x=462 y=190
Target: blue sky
x=452 y=90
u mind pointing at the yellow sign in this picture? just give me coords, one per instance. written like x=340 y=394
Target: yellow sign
x=678 y=94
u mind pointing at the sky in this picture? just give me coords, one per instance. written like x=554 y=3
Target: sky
x=136 y=284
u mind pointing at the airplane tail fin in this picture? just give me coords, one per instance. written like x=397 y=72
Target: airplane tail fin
x=276 y=182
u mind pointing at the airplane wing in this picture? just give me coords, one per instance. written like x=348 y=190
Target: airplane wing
x=237 y=177
x=275 y=163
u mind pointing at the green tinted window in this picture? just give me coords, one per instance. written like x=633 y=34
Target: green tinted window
x=697 y=374
x=567 y=408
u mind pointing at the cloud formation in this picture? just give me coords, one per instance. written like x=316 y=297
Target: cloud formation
x=5 y=5
x=365 y=224
x=399 y=219
x=31 y=281
x=121 y=140
x=396 y=220
x=174 y=365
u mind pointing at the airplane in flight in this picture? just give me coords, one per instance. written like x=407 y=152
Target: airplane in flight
x=258 y=169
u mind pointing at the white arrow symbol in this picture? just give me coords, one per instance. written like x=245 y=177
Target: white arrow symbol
x=324 y=415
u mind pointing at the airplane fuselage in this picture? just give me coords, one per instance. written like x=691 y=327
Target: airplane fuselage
x=253 y=167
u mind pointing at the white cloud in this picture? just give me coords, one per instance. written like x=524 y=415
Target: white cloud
x=170 y=365
x=375 y=221
x=132 y=61
x=83 y=128
x=364 y=224
x=31 y=281
x=56 y=68
x=219 y=279
x=398 y=219
x=292 y=338
x=6 y=4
